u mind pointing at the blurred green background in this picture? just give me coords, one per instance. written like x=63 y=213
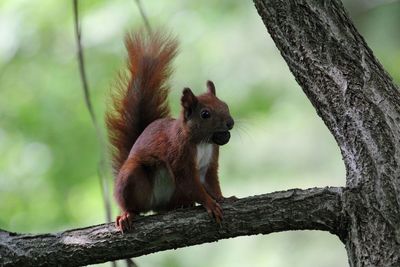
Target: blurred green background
x=49 y=153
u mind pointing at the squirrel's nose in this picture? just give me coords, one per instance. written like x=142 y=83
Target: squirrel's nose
x=229 y=123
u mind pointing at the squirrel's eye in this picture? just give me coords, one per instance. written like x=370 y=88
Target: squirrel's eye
x=205 y=114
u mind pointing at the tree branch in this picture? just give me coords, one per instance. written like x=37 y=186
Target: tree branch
x=312 y=209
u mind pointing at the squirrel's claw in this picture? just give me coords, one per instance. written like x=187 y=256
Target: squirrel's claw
x=124 y=222
x=214 y=210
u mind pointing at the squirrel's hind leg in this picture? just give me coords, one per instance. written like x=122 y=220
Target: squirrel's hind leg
x=133 y=192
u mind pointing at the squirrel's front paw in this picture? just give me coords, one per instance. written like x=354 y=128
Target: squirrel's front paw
x=214 y=210
x=124 y=222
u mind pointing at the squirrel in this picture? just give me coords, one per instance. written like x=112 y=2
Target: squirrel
x=162 y=163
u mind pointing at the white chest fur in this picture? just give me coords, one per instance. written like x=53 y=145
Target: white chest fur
x=204 y=155
x=163 y=187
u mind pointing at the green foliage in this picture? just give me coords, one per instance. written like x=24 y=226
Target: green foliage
x=49 y=153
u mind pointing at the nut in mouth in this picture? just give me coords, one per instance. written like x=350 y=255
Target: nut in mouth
x=221 y=138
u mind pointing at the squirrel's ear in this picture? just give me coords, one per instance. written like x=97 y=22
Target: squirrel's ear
x=188 y=101
x=211 y=87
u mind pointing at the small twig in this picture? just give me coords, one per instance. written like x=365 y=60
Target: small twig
x=144 y=17
x=130 y=263
x=102 y=161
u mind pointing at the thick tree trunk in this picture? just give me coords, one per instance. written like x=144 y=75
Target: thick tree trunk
x=360 y=105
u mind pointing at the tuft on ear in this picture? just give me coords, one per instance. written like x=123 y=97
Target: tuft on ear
x=188 y=101
x=211 y=87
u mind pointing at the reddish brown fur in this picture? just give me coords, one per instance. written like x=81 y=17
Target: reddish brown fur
x=155 y=157
x=145 y=92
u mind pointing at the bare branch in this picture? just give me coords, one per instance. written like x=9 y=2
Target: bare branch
x=144 y=17
x=82 y=64
x=102 y=169
x=313 y=209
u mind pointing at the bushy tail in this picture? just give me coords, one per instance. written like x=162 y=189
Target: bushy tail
x=140 y=96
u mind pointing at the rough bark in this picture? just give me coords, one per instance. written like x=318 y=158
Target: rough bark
x=360 y=105
x=315 y=208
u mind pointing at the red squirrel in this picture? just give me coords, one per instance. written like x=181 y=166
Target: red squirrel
x=162 y=163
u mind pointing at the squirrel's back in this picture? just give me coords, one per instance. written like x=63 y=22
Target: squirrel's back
x=140 y=96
